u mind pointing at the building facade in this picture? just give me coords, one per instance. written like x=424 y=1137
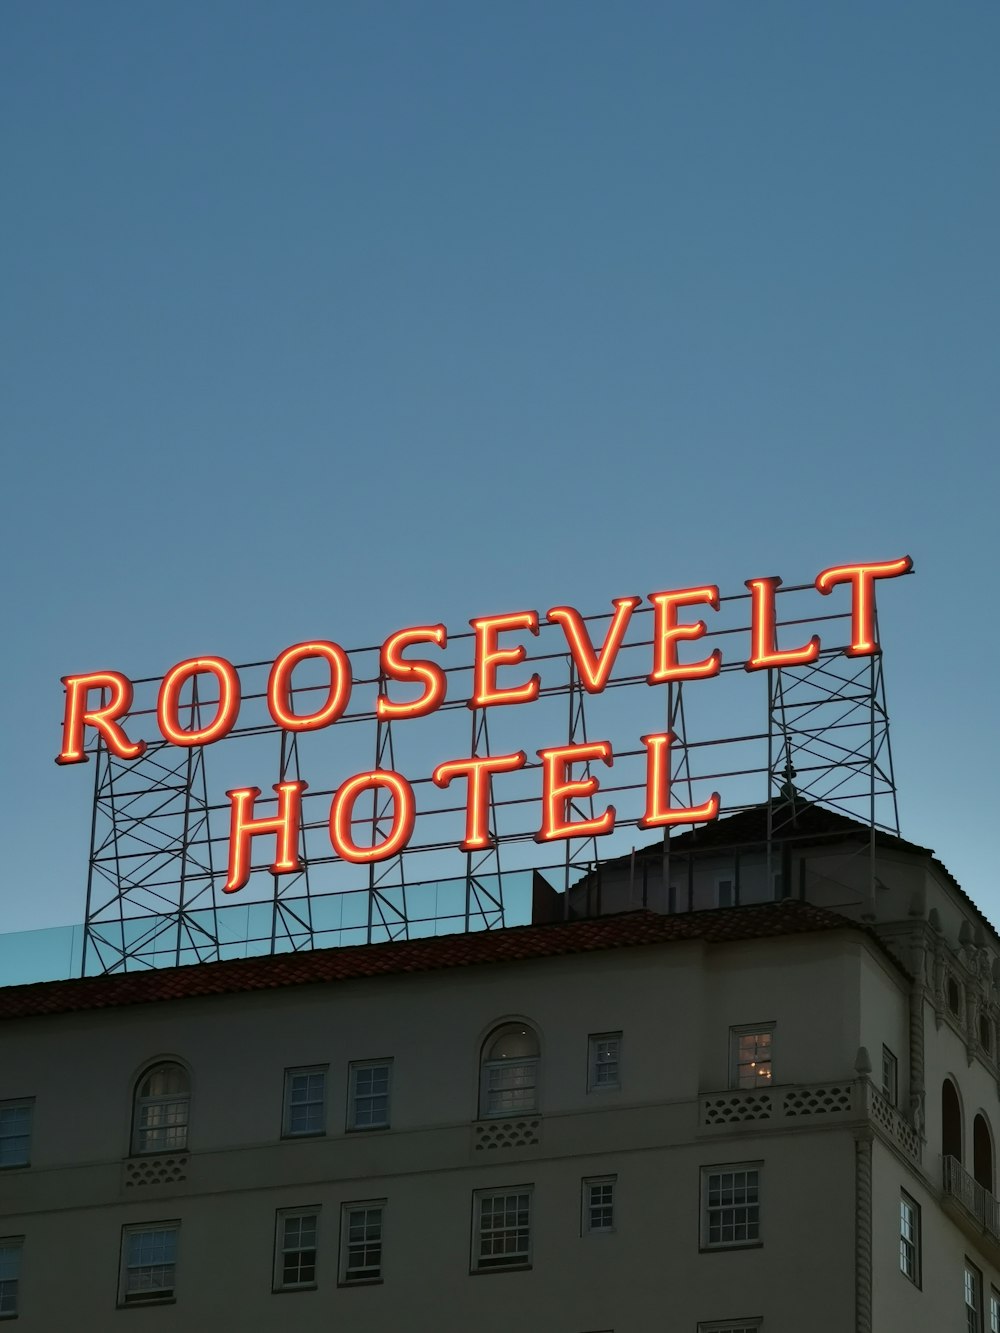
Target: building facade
x=746 y=1082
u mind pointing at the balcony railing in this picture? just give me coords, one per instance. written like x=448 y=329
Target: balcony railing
x=974 y=1199
x=789 y=1104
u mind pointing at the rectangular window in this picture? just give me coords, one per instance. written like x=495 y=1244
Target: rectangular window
x=730 y=1205
x=599 y=1204
x=510 y=1086
x=149 y=1263
x=733 y=1326
x=368 y=1095
x=605 y=1061
x=305 y=1102
x=973 y=1299
x=751 y=1051
x=725 y=888
x=909 y=1238
x=994 y=1310
x=10 y=1275
x=890 y=1076
x=15 y=1132
x=501 y=1229
x=295 y=1248
x=361 y=1230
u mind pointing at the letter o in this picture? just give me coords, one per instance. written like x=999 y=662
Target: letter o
x=168 y=701
x=342 y=807
x=279 y=695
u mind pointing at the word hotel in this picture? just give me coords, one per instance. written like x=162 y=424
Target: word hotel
x=559 y=789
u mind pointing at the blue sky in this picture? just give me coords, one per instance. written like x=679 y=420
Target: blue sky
x=320 y=320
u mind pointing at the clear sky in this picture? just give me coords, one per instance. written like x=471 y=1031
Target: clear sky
x=322 y=319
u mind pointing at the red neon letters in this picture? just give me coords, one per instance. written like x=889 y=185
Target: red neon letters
x=666 y=633
x=279 y=686
x=395 y=667
x=763 y=631
x=594 y=668
x=862 y=580
x=168 y=703
x=104 y=718
x=489 y=656
x=404 y=813
x=659 y=812
x=477 y=806
x=102 y=701
x=559 y=790
x=285 y=825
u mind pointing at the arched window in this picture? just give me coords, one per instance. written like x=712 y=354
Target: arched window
x=160 y=1116
x=508 y=1082
x=982 y=1152
x=951 y=1121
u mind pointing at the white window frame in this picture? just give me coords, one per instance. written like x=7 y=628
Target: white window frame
x=597 y=1066
x=735 y=1063
x=148 y=1295
x=162 y=1105
x=608 y=1185
x=909 y=1238
x=515 y=1260
x=354 y=1098
x=994 y=1310
x=11 y=1250
x=890 y=1076
x=303 y=1071
x=361 y=1274
x=282 y=1247
x=7 y=1135
x=973 y=1285
x=529 y=1066
x=740 y=1173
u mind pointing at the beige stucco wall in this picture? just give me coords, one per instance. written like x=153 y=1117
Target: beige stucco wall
x=827 y=993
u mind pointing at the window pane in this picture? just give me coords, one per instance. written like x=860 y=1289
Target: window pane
x=149 y=1263
x=504 y=1230
x=362 y=1243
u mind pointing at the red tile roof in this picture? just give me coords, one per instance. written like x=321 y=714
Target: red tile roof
x=516 y=944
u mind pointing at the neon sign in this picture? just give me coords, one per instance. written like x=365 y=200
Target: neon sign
x=98 y=704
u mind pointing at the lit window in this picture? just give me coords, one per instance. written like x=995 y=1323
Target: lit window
x=162 y=1103
x=15 y=1132
x=890 y=1076
x=599 y=1204
x=509 y=1075
x=973 y=1299
x=10 y=1274
x=909 y=1239
x=751 y=1051
x=501 y=1229
x=605 y=1061
x=368 y=1095
x=149 y=1263
x=730 y=1205
x=361 y=1228
x=305 y=1102
x=295 y=1249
